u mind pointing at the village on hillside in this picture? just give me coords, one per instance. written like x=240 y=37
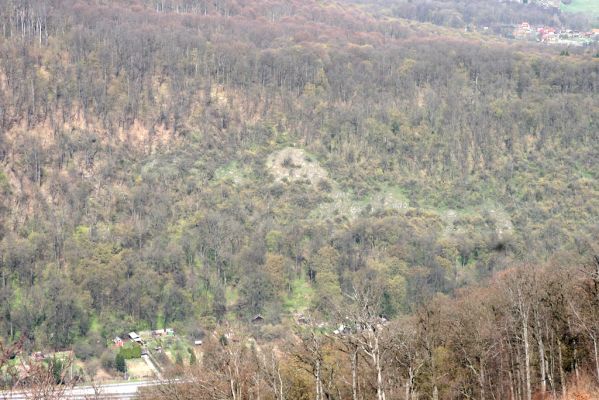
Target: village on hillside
x=129 y=355
x=556 y=36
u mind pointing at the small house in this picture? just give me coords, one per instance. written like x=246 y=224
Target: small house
x=135 y=337
x=258 y=319
x=118 y=342
x=197 y=342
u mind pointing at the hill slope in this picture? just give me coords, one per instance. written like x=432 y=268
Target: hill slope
x=168 y=163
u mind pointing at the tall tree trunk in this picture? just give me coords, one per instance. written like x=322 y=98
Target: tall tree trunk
x=526 y=358
x=520 y=374
x=594 y=338
x=410 y=394
x=380 y=391
x=233 y=390
x=317 y=375
x=281 y=395
x=543 y=366
x=524 y=313
x=354 y=373
x=482 y=380
x=562 y=374
x=575 y=361
x=512 y=392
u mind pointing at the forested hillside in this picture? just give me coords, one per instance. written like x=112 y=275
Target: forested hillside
x=184 y=163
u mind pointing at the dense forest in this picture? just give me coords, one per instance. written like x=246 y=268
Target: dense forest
x=195 y=163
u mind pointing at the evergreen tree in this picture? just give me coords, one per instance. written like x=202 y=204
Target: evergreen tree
x=120 y=364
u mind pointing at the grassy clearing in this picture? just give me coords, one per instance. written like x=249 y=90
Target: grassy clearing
x=293 y=165
x=138 y=368
x=582 y=6
x=345 y=204
x=477 y=219
x=94 y=325
x=230 y=172
x=389 y=197
x=231 y=296
x=300 y=298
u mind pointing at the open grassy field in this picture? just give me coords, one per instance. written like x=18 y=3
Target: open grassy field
x=582 y=6
x=138 y=368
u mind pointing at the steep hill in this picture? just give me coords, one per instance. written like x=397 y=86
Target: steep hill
x=181 y=162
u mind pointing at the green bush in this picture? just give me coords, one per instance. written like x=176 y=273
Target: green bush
x=130 y=351
x=57 y=366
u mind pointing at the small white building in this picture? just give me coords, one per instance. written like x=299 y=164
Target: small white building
x=135 y=337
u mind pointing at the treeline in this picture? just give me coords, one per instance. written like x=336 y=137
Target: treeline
x=498 y=16
x=532 y=333
x=135 y=191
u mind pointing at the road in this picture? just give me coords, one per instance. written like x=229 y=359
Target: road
x=122 y=391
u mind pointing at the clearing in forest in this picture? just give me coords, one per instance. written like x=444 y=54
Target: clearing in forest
x=581 y=6
x=291 y=165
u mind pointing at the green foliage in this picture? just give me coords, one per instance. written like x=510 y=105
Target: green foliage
x=300 y=297
x=581 y=6
x=120 y=363
x=130 y=351
x=57 y=367
x=4 y=184
x=223 y=340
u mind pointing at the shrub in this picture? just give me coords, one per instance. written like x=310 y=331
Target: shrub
x=88 y=347
x=107 y=360
x=57 y=366
x=192 y=357
x=91 y=367
x=120 y=363
x=130 y=351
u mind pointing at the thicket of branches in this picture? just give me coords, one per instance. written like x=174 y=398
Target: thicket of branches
x=532 y=333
